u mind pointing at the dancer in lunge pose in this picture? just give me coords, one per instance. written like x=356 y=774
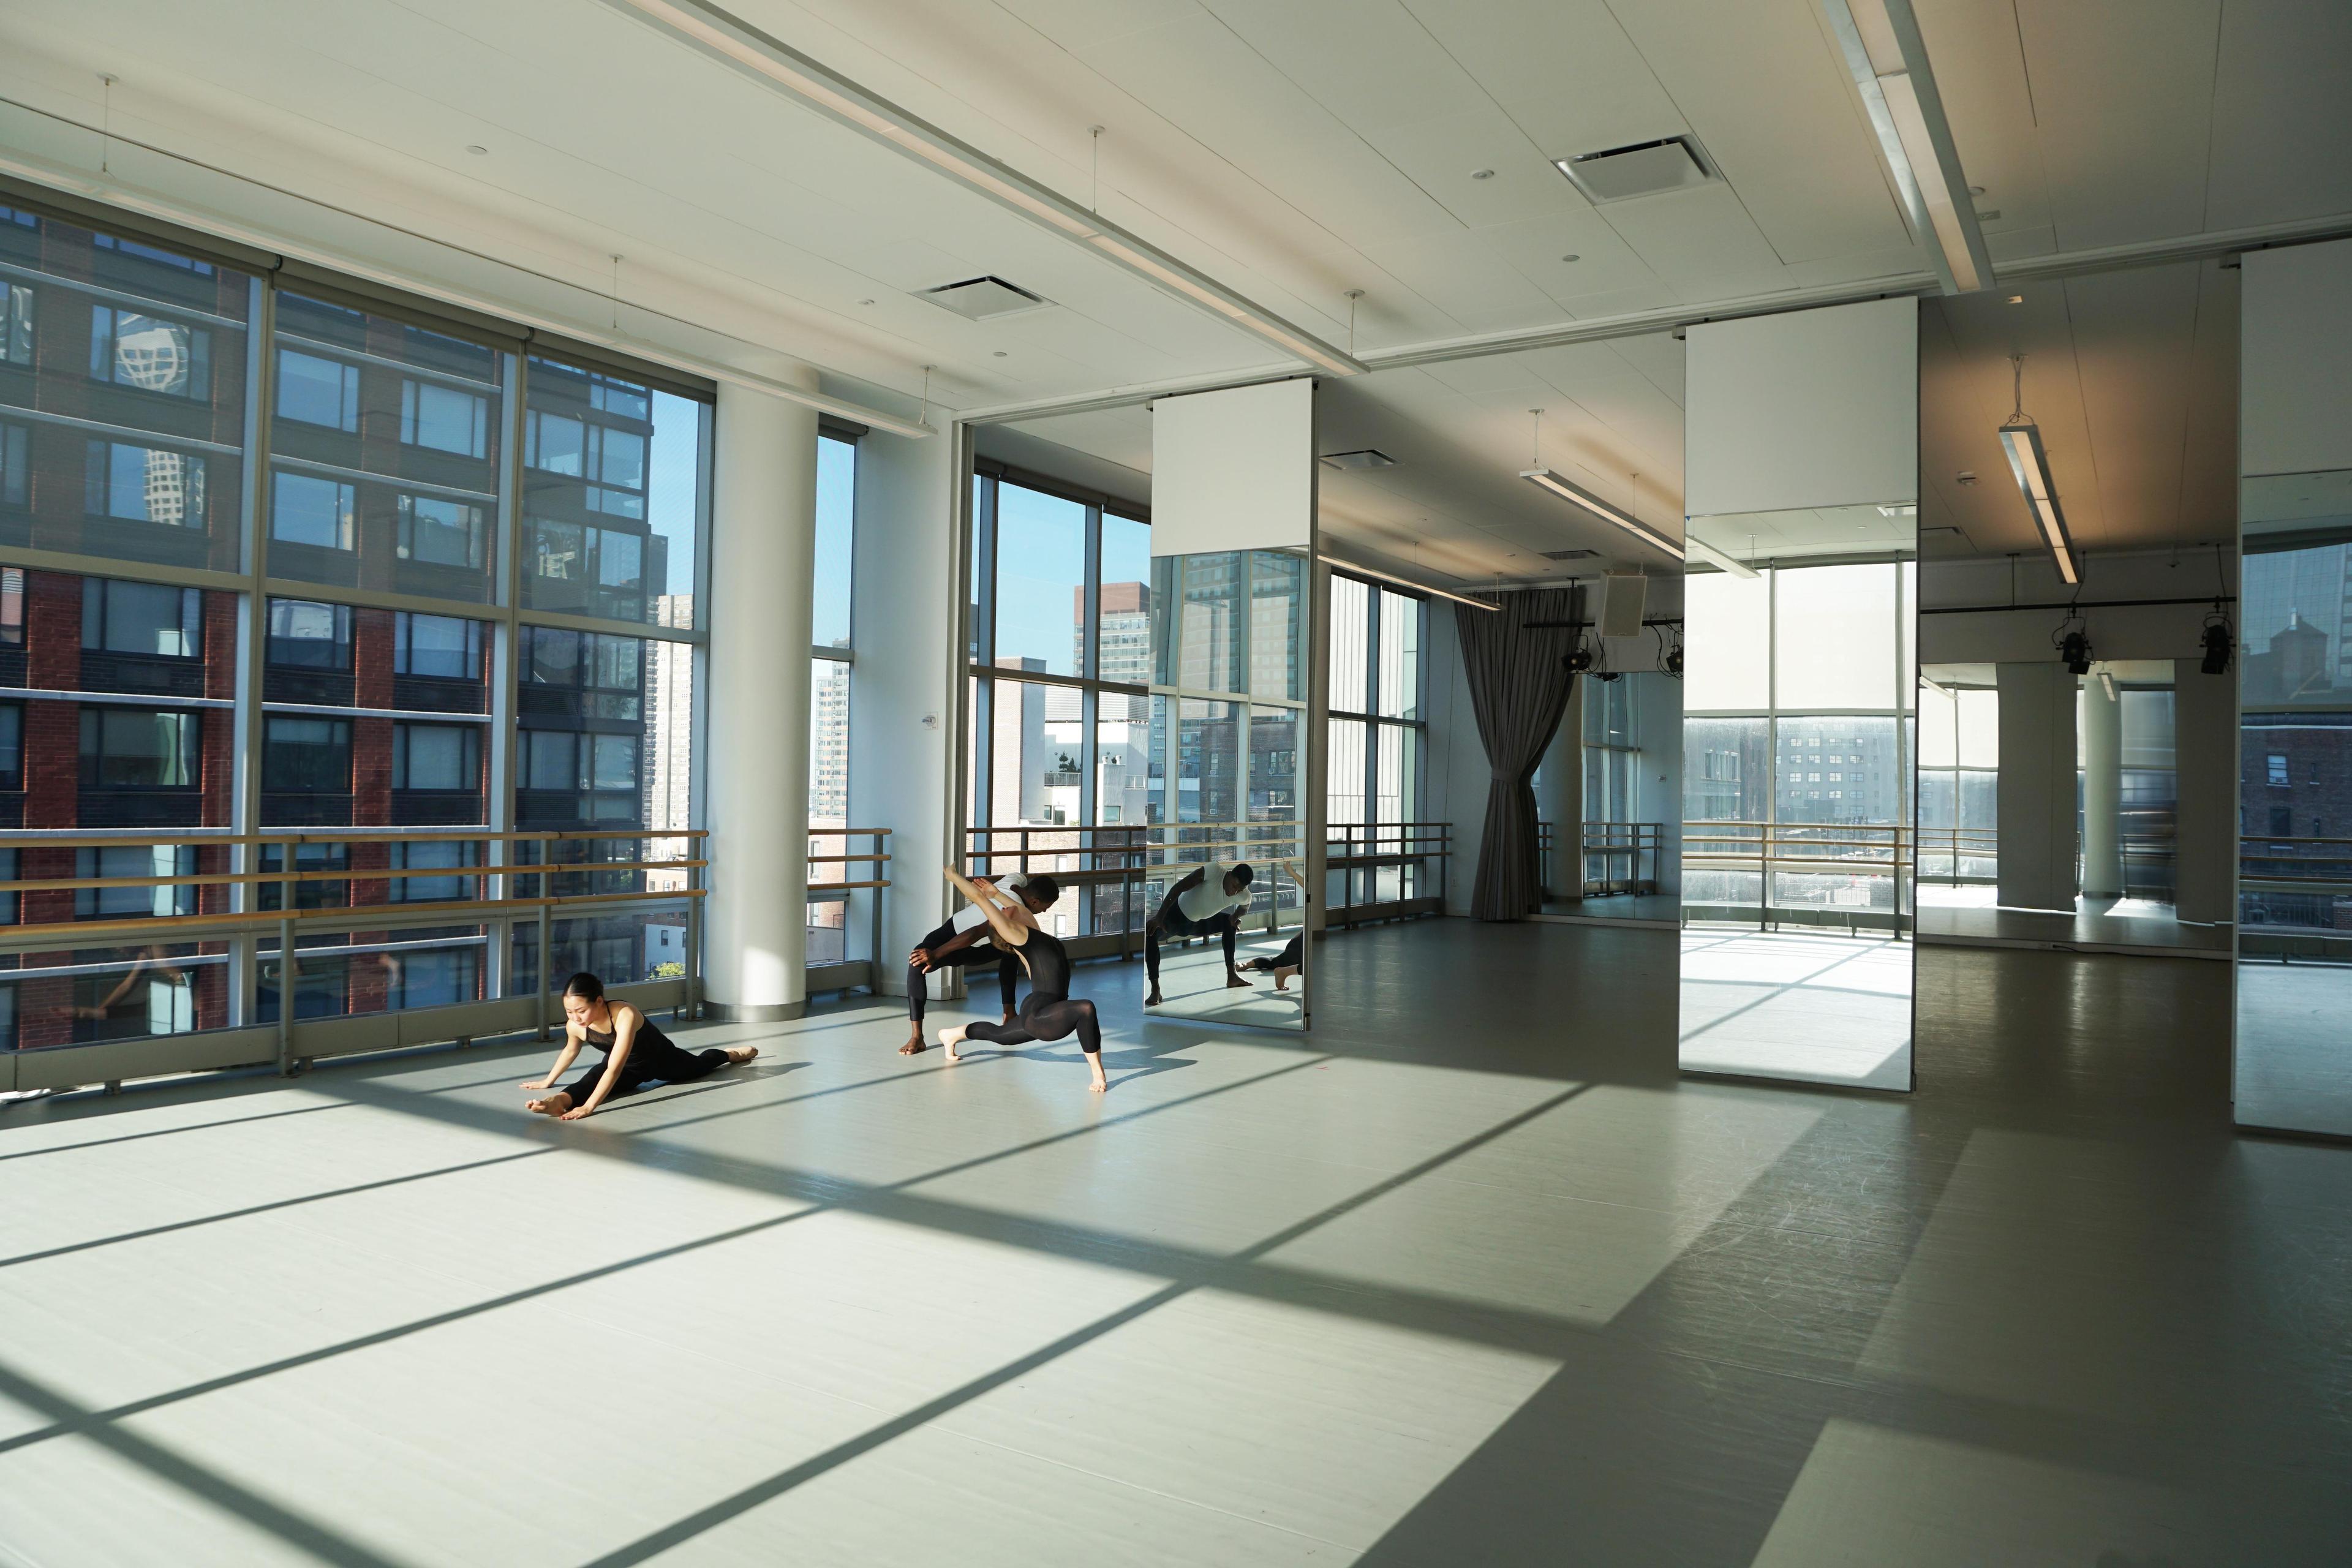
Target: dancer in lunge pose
x=1209 y=901
x=1048 y=1011
x=963 y=942
x=635 y=1053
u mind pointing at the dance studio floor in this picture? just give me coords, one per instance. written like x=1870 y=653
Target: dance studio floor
x=1467 y=1275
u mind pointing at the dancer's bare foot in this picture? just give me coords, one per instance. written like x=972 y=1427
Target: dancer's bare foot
x=1152 y=1000
x=914 y=1046
x=555 y=1104
x=738 y=1055
x=1282 y=978
x=950 y=1041
x=1234 y=980
x=1010 y=1014
x=1094 y=1061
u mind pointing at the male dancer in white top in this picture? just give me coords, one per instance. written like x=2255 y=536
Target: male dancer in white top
x=1210 y=901
x=963 y=942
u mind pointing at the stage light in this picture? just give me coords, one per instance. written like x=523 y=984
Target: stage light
x=2219 y=643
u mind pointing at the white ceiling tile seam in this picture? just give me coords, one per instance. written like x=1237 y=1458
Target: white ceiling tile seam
x=120 y=193
x=732 y=42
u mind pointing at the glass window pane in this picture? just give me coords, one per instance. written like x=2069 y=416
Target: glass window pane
x=828 y=743
x=836 y=506
x=1980 y=727
x=1123 y=760
x=1351 y=601
x=1727 y=778
x=384 y=452
x=1123 y=643
x=613 y=486
x=1041 y=564
x=1277 y=625
x=1401 y=619
x=1210 y=624
x=1036 y=751
x=1274 y=765
x=1208 y=762
x=1835 y=638
x=1939 y=727
x=1726 y=650
x=140 y=356
x=1343 y=772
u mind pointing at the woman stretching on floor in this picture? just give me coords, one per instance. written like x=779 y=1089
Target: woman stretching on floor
x=635 y=1053
x=1048 y=1011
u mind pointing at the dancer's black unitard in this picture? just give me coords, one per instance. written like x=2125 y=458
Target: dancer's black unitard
x=1048 y=1011
x=979 y=953
x=653 y=1058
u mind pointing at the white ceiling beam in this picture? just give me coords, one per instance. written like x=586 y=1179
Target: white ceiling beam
x=778 y=66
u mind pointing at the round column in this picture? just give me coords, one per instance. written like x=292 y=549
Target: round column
x=2102 y=792
x=755 y=769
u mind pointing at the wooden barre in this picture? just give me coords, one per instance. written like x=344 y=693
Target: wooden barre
x=218 y=879
x=199 y=838
x=72 y=934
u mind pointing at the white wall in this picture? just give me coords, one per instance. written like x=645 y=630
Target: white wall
x=2294 y=398
x=2205 y=853
x=905 y=591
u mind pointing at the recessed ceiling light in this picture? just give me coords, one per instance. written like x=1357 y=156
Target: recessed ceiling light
x=2017 y=299
x=478 y=152
x=1000 y=353
x=1976 y=190
x=1481 y=174
x=1571 y=257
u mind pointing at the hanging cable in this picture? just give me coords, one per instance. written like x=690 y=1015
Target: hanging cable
x=1094 y=194
x=616 y=292
x=106 y=126
x=1535 y=452
x=1353 y=295
x=926 y=418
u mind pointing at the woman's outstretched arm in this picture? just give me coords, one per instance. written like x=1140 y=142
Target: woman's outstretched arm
x=1011 y=921
x=625 y=1020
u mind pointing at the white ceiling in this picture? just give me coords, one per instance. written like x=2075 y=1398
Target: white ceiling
x=1294 y=150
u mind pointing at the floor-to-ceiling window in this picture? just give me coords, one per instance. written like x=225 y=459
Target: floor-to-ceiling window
x=330 y=567
x=1797 y=753
x=833 y=653
x=1064 y=731
x=1372 y=775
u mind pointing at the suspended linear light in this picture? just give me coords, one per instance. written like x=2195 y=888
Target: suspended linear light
x=1576 y=494
x=1338 y=564
x=2020 y=438
x=1888 y=61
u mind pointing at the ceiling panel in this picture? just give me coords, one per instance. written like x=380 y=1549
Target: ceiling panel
x=2123 y=99
x=2281 y=114
x=1564 y=71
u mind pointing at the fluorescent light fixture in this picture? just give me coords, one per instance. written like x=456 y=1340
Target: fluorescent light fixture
x=1337 y=565
x=776 y=65
x=2021 y=439
x=1544 y=478
x=1700 y=550
x=1888 y=61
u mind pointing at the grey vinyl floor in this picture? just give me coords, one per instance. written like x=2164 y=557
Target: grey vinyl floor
x=1465 y=1276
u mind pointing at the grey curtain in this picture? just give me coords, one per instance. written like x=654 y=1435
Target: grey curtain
x=1519 y=684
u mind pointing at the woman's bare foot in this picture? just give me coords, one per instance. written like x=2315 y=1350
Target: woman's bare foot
x=950 y=1041
x=555 y=1104
x=738 y=1055
x=914 y=1046
x=1094 y=1062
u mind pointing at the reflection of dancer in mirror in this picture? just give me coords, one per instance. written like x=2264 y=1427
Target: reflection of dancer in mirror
x=635 y=1053
x=158 y=967
x=1209 y=901
x=1285 y=965
x=1048 y=1011
x=963 y=942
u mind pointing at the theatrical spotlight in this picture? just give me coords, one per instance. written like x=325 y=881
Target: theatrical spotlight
x=1580 y=661
x=2220 y=643
x=2072 y=641
x=1670 y=651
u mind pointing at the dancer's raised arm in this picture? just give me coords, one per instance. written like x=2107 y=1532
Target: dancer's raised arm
x=1010 y=921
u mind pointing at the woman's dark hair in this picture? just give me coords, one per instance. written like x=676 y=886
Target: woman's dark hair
x=585 y=986
x=1044 y=889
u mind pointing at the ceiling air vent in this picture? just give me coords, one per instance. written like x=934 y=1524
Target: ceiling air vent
x=1644 y=169
x=1370 y=458
x=1569 y=554
x=981 y=299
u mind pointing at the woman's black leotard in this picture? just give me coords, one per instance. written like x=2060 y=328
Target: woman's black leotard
x=653 y=1058
x=1047 y=1012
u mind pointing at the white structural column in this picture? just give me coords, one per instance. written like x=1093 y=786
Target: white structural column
x=762 y=562
x=2036 y=790
x=902 y=687
x=2102 y=792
